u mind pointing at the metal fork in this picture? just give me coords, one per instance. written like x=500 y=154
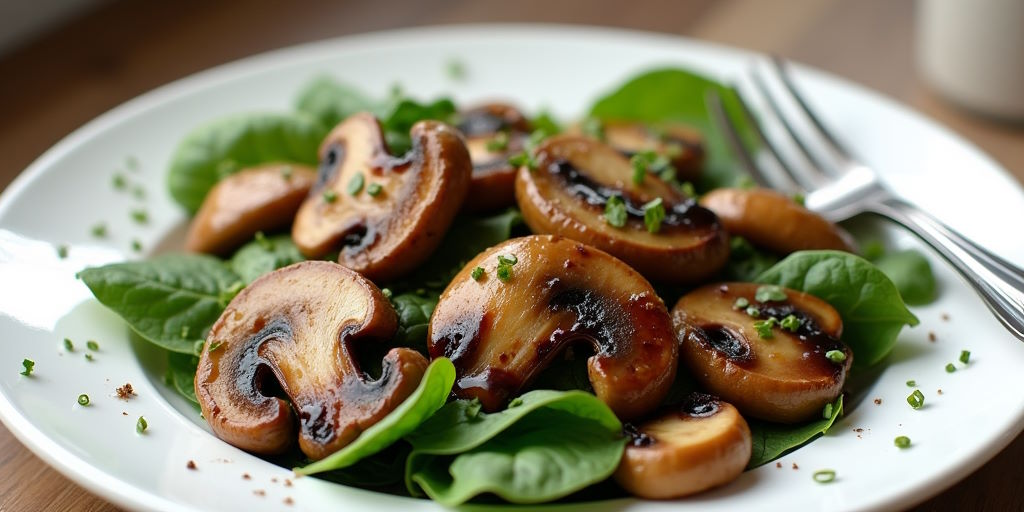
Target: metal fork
x=839 y=187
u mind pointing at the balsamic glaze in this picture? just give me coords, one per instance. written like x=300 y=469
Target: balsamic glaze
x=700 y=405
x=809 y=330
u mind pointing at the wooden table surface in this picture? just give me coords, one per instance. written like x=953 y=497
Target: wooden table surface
x=57 y=83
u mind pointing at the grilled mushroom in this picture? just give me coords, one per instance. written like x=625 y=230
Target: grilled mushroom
x=774 y=221
x=568 y=192
x=779 y=359
x=699 y=444
x=493 y=132
x=286 y=346
x=501 y=323
x=258 y=199
x=384 y=214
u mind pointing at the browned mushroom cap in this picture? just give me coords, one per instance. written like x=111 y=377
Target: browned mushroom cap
x=296 y=330
x=774 y=221
x=493 y=132
x=786 y=377
x=699 y=444
x=682 y=145
x=501 y=329
x=567 y=193
x=258 y=199
x=384 y=214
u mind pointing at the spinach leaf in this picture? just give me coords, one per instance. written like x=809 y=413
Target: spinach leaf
x=264 y=255
x=230 y=144
x=546 y=455
x=429 y=396
x=413 y=318
x=868 y=302
x=912 y=275
x=771 y=440
x=521 y=454
x=678 y=95
x=406 y=113
x=181 y=374
x=171 y=300
x=330 y=101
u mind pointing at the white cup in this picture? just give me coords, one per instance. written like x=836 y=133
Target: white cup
x=972 y=52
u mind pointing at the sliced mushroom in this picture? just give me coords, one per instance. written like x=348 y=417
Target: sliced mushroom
x=682 y=145
x=505 y=326
x=784 y=373
x=258 y=199
x=493 y=133
x=774 y=221
x=567 y=193
x=699 y=444
x=295 y=332
x=384 y=214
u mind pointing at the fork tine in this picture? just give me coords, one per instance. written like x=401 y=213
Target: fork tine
x=815 y=175
x=782 y=70
x=735 y=141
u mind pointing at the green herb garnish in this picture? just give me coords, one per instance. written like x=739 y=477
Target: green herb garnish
x=140 y=216
x=119 y=181
x=62 y=251
x=965 y=356
x=769 y=293
x=824 y=476
x=505 y=262
x=639 y=161
x=741 y=303
x=68 y=345
x=477 y=273
x=654 y=213
x=826 y=413
x=92 y=345
x=764 y=327
x=141 y=425
x=29 y=366
x=791 y=323
x=99 y=230
x=498 y=143
x=355 y=185
x=330 y=196
x=523 y=159
x=950 y=368
x=136 y=245
x=753 y=312
x=83 y=399
x=88 y=357
x=911 y=383
x=374 y=189
x=902 y=442
x=615 y=211
x=836 y=356
x=916 y=399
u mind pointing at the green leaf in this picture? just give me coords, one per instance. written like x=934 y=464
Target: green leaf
x=428 y=397
x=678 y=95
x=413 y=318
x=181 y=374
x=228 y=145
x=262 y=256
x=912 y=275
x=171 y=300
x=521 y=453
x=545 y=456
x=868 y=302
x=770 y=440
x=330 y=101
x=406 y=113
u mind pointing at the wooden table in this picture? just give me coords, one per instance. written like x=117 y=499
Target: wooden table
x=55 y=84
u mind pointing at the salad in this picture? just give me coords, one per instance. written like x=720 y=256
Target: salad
x=466 y=302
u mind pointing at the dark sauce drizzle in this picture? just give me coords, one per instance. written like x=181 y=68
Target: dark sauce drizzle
x=809 y=330
x=685 y=214
x=699 y=405
x=636 y=437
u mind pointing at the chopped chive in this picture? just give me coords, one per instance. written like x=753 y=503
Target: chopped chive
x=615 y=211
x=741 y=303
x=965 y=356
x=62 y=251
x=68 y=345
x=902 y=442
x=374 y=189
x=498 y=143
x=686 y=187
x=141 y=425
x=263 y=241
x=136 y=245
x=916 y=399
x=504 y=272
x=330 y=196
x=355 y=184
x=92 y=345
x=753 y=312
x=654 y=213
x=799 y=199
x=911 y=383
x=119 y=181
x=88 y=356
x=99 y=230
x=769 y=293
x=386 y=292
x=639 y=163
x=523 y=159
x=140 y=216
x=791 y=323
x=836 y=356
x=507 y=259
x=950 y=368
x=83 y=399
x=477 y=273
x=824 y=476
x=286 y=172
x=29 y=366
x=827 y=412
x=764 y=328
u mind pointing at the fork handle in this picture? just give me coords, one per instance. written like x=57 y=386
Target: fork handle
x=999 y=282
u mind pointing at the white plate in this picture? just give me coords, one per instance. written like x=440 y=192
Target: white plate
x=68 y=190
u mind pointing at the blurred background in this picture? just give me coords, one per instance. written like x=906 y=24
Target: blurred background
x=64 y=62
